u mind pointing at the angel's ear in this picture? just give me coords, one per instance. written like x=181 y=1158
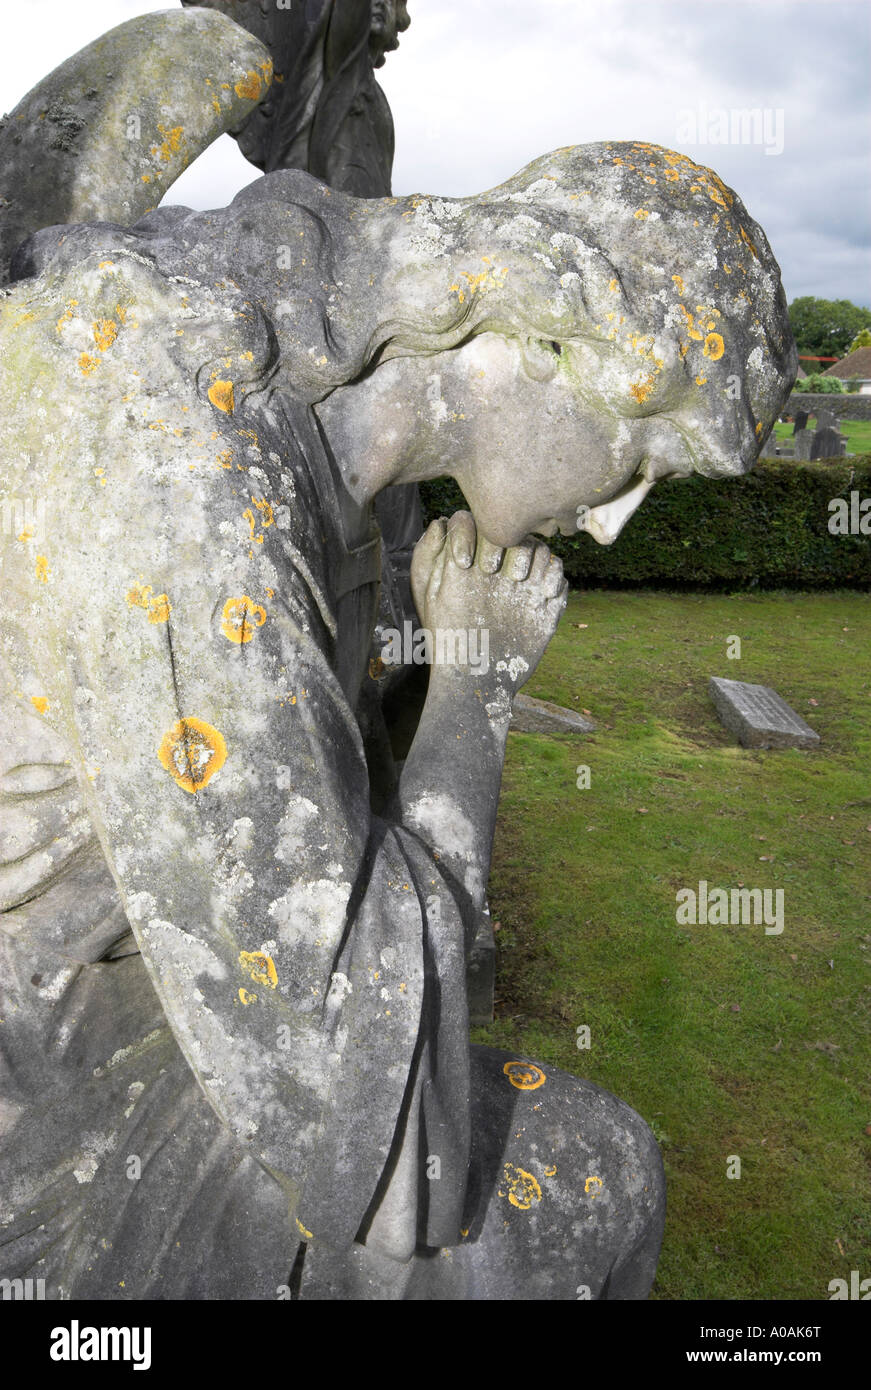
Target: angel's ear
x=104 y=136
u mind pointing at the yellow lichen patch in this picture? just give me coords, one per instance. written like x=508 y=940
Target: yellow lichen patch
x=758 y=430
x=42 y=569
x=39 y=702
x=524 y=1075
x=613 y=285
x=714 y=347
x=747 y=242
x=157 y=607
x=246 y=998
x=260 y=967
x=105 y=332
x=641 y=214
x=265 y=510
x=26 y=534
x=249 y=86
x=593 y=1186
x=640 y=390
x=172 y=140
x=222 y=396
x=700 y=380
x=678 y=284
x=88 y=364
x=192 y=751
x=550 y=1171
x=66 y=315
x=240 y=618
x=302 y=1230
x=523 y=1188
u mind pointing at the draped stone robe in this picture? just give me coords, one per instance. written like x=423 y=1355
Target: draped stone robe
x=221 y=977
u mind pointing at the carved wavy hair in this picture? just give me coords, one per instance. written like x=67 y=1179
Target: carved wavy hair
x=642 y=261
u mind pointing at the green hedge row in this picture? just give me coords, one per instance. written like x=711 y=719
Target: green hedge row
x=769 y=528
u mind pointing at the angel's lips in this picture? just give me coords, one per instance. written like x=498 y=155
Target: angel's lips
x=605 y=523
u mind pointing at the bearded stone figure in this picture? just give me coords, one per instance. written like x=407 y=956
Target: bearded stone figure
x=235 y=1054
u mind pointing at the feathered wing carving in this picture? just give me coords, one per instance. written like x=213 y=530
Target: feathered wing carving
x=104 y=136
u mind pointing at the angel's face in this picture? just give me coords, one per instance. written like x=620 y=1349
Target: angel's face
x=390 y=18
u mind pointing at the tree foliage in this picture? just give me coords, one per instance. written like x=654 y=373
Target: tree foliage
x=826 y=327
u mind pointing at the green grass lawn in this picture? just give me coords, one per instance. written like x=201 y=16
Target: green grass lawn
x=856 y=432
x=728 y=1041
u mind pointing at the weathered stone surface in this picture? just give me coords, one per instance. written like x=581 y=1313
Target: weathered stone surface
x=531 y=716
x=104 y=136
x=202 y=908
x=758 y=716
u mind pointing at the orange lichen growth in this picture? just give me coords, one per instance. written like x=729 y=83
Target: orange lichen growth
x=714 y=347
x=524 y=1075
x=640 y=390
x=171 y=142
x=246 y=998
x=260 y=967
x=240 y=618
x=157 y=606
x=249 y=86
x=192 y=751
x=39 y=702
x=593 y=1186
x=758 y=429
x=613 y=285
x=641 y=214
x=678 y=284
x=105 y=332
x=88 y=364
x=222 y=396
x=523 y=1188
x=42 y=569
x=265 y=510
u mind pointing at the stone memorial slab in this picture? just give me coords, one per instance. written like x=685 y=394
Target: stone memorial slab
x=827 y=421
x=826 y=444
x=758 y=716
x=802 y=442
x=481 y=972
x=801 y=419
x=531 y=716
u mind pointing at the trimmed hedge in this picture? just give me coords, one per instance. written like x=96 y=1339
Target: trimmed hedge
x=768 y=528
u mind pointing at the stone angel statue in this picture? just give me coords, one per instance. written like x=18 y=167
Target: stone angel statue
x=234 y=1055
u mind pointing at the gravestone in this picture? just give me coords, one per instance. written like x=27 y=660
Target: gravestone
x=531 y=716
x=758 y=716
x=481 y=972
x=827 y=444
x=827 y=421
x=801 y=420
x=769 y=447
x=802 y=442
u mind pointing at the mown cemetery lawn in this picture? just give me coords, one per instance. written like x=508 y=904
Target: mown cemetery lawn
x=856 y=432
x=729 y=1041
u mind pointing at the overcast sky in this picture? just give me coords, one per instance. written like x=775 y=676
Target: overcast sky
x=480 y=87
